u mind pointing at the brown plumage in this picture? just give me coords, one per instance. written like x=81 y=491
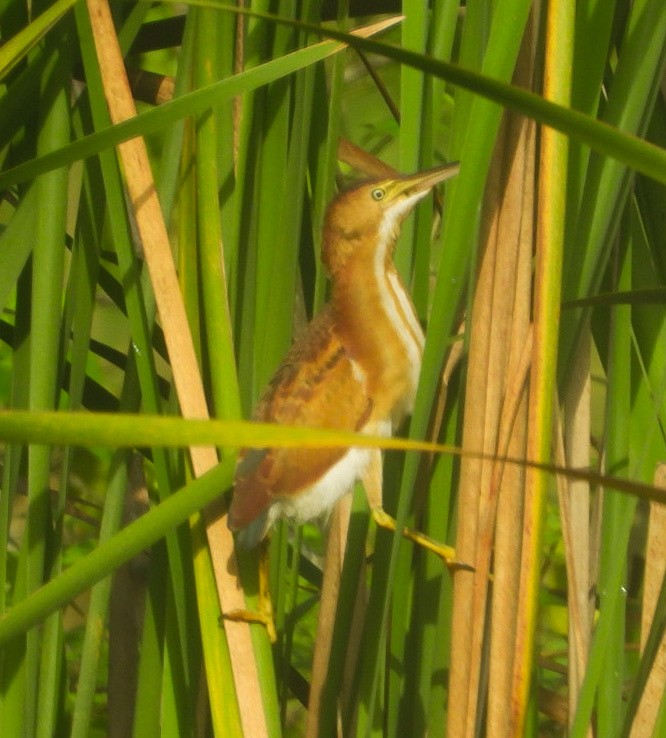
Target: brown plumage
x=354 y=368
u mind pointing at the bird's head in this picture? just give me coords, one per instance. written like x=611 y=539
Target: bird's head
x=368 y=216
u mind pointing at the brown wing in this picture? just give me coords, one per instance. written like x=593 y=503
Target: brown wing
x=317 y=385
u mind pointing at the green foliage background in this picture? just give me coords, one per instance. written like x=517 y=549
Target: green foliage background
x=78 y=331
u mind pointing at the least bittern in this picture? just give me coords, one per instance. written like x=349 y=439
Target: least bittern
x=355 y=367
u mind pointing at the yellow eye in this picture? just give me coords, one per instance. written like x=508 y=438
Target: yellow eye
x=378 y=194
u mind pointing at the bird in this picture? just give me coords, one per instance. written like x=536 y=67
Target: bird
x=355 y=367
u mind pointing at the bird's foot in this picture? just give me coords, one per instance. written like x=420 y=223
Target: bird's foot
x=262 y=616
x=446 y=553
x=264 y=612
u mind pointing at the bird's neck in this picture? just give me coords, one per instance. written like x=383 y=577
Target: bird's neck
x=379 y=326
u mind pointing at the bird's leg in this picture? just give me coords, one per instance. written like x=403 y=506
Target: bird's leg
x=264 y=612
x=446 y=553
x=372 y=482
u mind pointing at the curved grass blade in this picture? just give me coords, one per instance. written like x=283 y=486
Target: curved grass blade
x=121 y=430
x=177 y=109
x=606 y=139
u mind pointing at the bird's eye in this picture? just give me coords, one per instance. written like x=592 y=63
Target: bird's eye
x=378 y=193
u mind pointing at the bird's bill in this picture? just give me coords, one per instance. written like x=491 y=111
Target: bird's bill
x=413 y=184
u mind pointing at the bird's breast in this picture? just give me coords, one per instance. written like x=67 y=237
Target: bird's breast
x=380 y=328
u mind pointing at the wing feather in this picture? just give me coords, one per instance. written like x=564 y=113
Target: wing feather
x=317 y=385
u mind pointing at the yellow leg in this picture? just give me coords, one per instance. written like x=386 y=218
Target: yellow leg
x=372 y=482
x=264 y=612
x=446 y=553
